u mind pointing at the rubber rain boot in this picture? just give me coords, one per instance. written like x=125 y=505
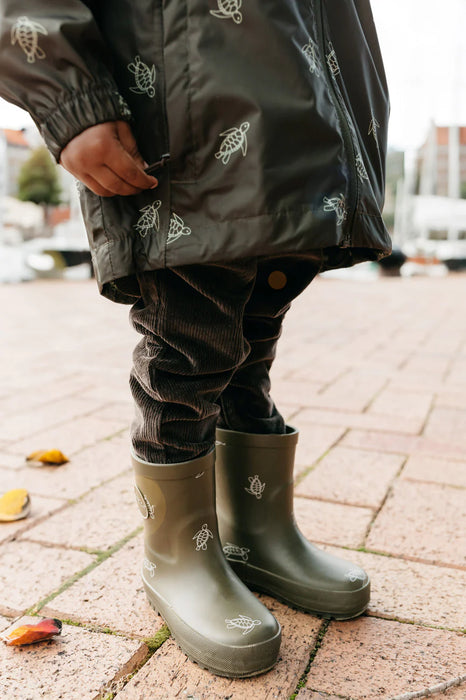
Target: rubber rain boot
x=212 y=615
x=254 y=477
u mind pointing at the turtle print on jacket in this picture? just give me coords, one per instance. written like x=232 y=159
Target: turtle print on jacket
x=256 y=487
x=149 y=219
x=311 y=53
x=235 y=139
x=243 y=622
x=332 y=60
x=177 y=228
x=228 y=9
x=144 y=77
x=338 y=205
x=25 y=32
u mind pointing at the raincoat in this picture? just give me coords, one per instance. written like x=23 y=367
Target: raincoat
x=267 y=119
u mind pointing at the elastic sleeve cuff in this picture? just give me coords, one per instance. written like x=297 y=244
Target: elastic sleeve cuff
x=79 y=111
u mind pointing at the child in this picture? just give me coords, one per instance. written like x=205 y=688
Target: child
x=228 y=151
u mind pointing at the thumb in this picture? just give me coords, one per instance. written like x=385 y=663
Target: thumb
x=129 y=144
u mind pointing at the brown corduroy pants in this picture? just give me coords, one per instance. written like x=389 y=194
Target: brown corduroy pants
x=209 y=339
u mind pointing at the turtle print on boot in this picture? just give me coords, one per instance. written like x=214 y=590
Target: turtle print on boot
x=280 y=561
x=211 y=614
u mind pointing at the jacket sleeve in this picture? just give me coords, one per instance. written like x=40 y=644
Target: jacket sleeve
x=54 y=64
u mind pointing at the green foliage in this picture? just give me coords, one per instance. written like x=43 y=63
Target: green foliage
x=38 y=179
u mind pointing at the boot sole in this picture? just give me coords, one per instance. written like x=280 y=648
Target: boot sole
x=301 y=605
x=197 y=650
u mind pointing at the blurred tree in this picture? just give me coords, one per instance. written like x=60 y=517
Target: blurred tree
x=38 y=182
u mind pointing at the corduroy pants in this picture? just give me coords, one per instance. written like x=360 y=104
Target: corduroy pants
x=209 y=337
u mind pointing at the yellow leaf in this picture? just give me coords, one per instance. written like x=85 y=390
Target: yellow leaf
x=48 y=457
x=14 y=505
x=29 y=634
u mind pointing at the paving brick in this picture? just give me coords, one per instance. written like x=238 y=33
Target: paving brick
x=70 y=437
x=306 y=694
x=333 y=523
x=442 y=471
x=83 y=472
x=169 y=674
x=29 y=422
x=457 y=692
x=422 y=521
x=376 y=440
x=29 y=572
x=4 y=622
x=101 y=519
x=43 y=393
x=313 y=442
x=403 y=444
x=357 y=477
x=351 y=392
x=365 y=421
x=412 y=592
x=449 y=424
x=76 y=665
x=40 y=508
x=371 y=658
x=409 y=405
x=11 y=461
x=451 y=399
x=111 y=595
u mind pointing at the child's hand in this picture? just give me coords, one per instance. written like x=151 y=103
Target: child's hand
x=106 y=159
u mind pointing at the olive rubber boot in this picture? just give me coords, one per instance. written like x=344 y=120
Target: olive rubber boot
x=254 y=477
x=212 y=615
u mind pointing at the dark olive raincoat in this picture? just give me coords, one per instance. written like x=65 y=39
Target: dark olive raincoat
x=268 y=119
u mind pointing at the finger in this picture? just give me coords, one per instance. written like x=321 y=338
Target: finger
x=128 y=142
x=110 y=180
x=125 y=168
x=95 y=187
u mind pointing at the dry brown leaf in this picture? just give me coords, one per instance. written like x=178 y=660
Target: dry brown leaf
x=30 y=634
x=14 y=505
x=48 y=457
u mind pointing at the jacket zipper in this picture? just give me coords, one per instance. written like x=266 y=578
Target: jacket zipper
x=353 y=188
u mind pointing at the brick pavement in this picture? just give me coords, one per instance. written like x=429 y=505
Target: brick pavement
x=374 y=375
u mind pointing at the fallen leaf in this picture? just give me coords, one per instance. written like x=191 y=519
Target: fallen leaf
x=30 y=634
x=14 y=505
x=48 y=457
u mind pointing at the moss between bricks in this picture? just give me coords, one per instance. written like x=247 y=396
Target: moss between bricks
x=101 y=557
x=318 y=644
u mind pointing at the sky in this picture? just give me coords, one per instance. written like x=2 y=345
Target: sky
x=424 y=48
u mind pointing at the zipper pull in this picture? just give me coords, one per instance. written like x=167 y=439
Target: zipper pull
x=153 y=167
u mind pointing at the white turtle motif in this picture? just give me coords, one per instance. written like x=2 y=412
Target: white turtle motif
x=338 y=205
x=354 y=575
x=373 y=126
x=147 y=510
x=124 y=107
x=177 y=228
x=202 y=537
x=25 y=31
x=144 y=77
x=149 y=566
x=332 y=60
x=311 y=52
x=256 y=487
x=361 y=168
x=235 y=139
x=234 y=553
x=227 y=9
x=243 y=622
x=149 y=219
